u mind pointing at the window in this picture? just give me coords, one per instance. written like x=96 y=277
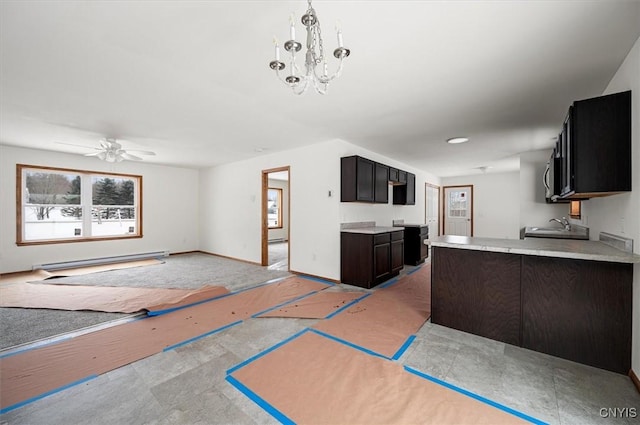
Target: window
x=457 y=204
x=274 y=208
x=62 y=205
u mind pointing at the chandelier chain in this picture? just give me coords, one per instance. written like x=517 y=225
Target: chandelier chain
x=318 y=59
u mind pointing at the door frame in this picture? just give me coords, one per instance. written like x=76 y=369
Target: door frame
x=473 y=200
x=425 y=204
x=264 y=228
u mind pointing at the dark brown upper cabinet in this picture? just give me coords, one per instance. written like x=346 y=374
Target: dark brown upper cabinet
x=595 y=147
x=381 y=184
x=393 y=175
x=363 y=180
x=405 y=194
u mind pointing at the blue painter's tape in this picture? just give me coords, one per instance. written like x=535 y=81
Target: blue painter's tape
x=284 y=303
x=317 y=279
x=388 y=283
x=257 y=356
x=259 y=401
x=350 y=344
x=346 y=306
x=476 y=396
x=195 y=338
x=48 y=393
x=58 y=341
x=34 y=348
x=404 y=347
x=414 y=270
x=170 y=310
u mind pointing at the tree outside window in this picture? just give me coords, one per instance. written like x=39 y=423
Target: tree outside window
x=63 y=205
x=274 y=208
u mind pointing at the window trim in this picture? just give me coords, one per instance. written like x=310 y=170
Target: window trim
x=19 y=199
x=280 y=195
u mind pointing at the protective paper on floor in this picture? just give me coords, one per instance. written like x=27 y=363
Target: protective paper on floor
x=38 y=275
x=29 y=374
x=317 y=306
x=383 y=321
x=314 y=380
x=112 y=299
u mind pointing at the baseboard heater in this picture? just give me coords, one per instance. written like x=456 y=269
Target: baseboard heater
x=99 y=261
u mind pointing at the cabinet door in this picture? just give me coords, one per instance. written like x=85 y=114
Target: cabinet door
x=393 y=175
x=397 y=255
x=578 y=310
x=402 y=176
x=381 y=185
x=365 y=180
x=567 y=155
x=411 y=189
x=602 y=144
x=381 y=261
x=476 y=292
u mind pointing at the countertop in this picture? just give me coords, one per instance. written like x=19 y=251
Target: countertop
x=412 y=225
x=372 y=230
x=561 y=248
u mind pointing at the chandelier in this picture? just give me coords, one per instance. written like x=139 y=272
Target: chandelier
x=300 y=81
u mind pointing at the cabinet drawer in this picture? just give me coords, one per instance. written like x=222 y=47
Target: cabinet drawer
x=424 y=231
x=397 y=236
x=381 y=238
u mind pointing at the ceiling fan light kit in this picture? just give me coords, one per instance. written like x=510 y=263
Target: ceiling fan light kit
x=299 y=82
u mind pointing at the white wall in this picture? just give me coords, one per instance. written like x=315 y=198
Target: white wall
x=620 y=214
x=534 y=210
x=230 y=206
x=170 y=199
x=496 y=203
x=283 y=232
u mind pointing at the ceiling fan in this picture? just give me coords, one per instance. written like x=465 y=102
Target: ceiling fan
x=111 y=151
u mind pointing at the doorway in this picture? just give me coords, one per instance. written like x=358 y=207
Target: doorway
x=275 y=218
x=432 y=209
x=458 y=210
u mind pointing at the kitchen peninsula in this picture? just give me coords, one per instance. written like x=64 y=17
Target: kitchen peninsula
x=567 y=298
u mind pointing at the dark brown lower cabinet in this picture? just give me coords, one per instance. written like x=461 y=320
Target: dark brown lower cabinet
x=578 y=310
x=415 y=251
x=575 y=309
x=476 y=292
x=367 y=260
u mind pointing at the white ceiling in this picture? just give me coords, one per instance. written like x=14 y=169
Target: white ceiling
x=190 y=79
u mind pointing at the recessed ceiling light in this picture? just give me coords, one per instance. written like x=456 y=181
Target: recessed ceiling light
x=455 y=140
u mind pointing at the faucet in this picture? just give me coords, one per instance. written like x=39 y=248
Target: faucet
x=563 y=221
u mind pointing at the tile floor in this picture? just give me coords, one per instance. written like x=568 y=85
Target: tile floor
x=187 y=386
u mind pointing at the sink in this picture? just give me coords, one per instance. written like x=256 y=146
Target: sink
x=547 y=229
x=576 y=232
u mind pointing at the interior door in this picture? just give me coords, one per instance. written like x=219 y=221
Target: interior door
x=458 y=210
x=432 y=209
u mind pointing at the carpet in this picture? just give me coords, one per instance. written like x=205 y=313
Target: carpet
x=31 y=374
x=37 y=275
x=112 y=299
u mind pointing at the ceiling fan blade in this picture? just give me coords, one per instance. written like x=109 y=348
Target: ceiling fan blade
x=141 y=152
x=78 y=146
x=93 y=154
x=128 y=156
